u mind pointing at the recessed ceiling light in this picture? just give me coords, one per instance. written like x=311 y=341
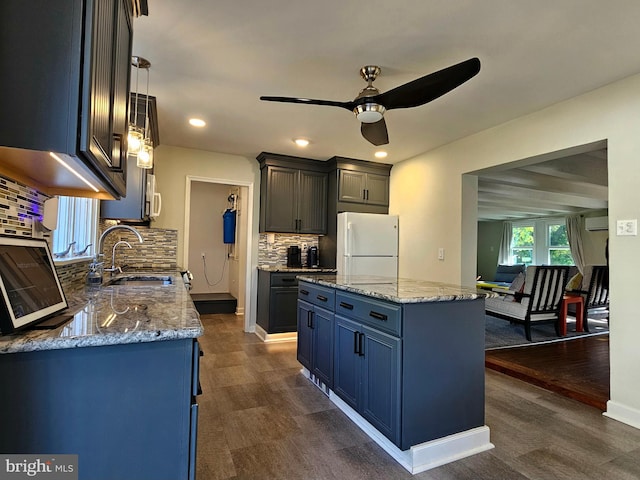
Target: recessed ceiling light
x=380 y=154
x=301 y=142
x=197 y=122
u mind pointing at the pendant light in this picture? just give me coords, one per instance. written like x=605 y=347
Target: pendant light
x=140 y=144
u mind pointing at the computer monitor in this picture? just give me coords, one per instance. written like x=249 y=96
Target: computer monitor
x=30 y=288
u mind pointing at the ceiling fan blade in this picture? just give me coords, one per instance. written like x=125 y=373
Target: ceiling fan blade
x=429 y=87
x=375 y=133
x=330 y=103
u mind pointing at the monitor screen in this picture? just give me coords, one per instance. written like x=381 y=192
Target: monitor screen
x=30 y=287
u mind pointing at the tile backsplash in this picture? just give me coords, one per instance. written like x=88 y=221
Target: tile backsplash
x=21 y=204
x=275 y=254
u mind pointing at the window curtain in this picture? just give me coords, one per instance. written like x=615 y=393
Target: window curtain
x=504 y=255
x=574 y=235
x=77 y=222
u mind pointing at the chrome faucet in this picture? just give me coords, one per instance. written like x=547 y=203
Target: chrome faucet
x=113 y=257
x=99 y=253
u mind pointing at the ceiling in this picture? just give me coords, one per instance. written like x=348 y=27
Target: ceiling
x=214 y=60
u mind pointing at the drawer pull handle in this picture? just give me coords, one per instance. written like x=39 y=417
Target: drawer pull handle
x=379 y=316
x=322 y=298
x=288 y=279
x=304 y=292
x=348 y=306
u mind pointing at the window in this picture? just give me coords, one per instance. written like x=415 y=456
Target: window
x=538 y=242
x=523 y=244
x=558 y=245
x=77 y=222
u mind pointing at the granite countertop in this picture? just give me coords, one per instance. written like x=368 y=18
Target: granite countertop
x=398 y=290
x=117 y=314
x=285 y=269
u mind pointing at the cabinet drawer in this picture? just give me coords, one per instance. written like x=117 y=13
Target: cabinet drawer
x=284 y=280
x=317 y=295
x=381 y=315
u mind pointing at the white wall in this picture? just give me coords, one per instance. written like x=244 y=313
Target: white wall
x=208 y=203
x=436 y=210
x=172 y=167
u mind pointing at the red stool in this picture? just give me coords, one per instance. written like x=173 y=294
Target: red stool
x=566 y=300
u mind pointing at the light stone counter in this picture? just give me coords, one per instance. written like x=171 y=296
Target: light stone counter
x=117 y=314
x=397 y=290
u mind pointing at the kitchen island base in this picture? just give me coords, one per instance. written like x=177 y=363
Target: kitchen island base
x=421 y=457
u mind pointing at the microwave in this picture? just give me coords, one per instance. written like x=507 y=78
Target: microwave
x=153 y=198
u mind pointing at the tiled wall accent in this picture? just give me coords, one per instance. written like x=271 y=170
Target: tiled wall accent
x=159 y=250
x=19 y=205
x=73 y=275
x=275 y=254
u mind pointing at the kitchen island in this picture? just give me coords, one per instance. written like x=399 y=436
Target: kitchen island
x=404 y=359
x=116 y=385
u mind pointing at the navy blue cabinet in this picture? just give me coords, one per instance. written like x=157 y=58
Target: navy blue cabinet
x=414 y=371
x=315 y=331
x=127 y=411
x=367 y=374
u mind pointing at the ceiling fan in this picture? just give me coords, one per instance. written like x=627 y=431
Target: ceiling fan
x=369 y=106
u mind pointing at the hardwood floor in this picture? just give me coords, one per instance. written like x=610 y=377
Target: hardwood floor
x=260 y=419
x=577 y=368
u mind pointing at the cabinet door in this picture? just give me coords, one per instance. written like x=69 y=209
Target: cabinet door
x=351 y=186
x=100 y=97
x=323 y=329
x=380 y=389
x=346 y=372
x=280 y=200
x=377 y=189
x=283 y=309
x=121 y=82
x=305 y=333
x=312 y=202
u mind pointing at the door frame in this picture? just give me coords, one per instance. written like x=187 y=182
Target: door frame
x=247 y=277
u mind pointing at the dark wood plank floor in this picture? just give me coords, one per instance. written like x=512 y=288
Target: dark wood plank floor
x=577 y=368
x=261 y=419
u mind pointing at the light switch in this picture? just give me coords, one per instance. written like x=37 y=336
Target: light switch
x=441 y=254
x=627 y=227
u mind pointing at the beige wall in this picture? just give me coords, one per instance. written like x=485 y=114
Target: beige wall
x=427 y=192
x=172 y=167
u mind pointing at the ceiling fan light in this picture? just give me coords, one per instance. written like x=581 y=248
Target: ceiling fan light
x=369 y=112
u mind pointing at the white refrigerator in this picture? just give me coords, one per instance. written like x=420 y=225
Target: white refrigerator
x=367 y=244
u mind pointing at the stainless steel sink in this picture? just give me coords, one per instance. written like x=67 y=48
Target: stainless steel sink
x=142 y=280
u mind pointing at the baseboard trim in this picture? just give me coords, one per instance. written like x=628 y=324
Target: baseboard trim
x=240 y=311
x=623 y=413
x=275 y=337
x=427 y=455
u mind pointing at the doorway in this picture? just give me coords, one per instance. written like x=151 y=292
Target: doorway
x=216 y=253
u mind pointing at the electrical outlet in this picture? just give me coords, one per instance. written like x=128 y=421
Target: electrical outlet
x=202 y=254
x=627 y=227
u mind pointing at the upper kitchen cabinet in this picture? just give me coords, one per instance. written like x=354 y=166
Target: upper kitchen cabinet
x=293 y=194
x=362 y=182
x=64 y=89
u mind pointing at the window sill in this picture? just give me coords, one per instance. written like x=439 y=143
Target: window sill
x=69 y=261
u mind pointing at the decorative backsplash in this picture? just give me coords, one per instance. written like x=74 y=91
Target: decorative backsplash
x=159 y=250
x=275 y=254
x=20 y=204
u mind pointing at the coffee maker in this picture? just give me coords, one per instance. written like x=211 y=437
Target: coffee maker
x=294 y=256
x=312 y=257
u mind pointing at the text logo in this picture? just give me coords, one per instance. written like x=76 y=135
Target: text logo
x=43 y=467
